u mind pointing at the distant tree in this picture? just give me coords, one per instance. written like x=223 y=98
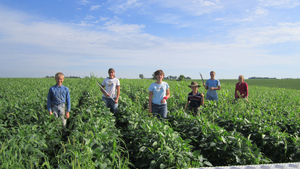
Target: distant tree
x=188 y=78
x=181 y=77
x=153 y=76
x=141 y=76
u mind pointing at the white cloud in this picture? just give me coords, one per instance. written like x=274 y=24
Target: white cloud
x=83 y=2
x=261 y=11
x=89 y=17
x=123 y=28
x=280 y=3
x=124 y=5
x=39 y=44
x=95 y=7
x=192 y=7
x=219 y=19
x=284 y=32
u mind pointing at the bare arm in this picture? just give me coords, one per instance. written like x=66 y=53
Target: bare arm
x=187 y=103
x=202 y=100
x=206 y=87
x=215 y=88
x=167 y=95
x=118 y=94
x=150 y=101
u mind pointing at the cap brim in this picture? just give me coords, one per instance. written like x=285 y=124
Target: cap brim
x=194 y=86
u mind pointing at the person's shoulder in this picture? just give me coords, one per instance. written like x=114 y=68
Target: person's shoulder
x=54 y=86
x=51 y=88
x=65 y=87
x=153 y=84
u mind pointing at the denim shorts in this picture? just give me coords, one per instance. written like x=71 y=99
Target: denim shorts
x=159 y=111
x=208 y=97
x=111 y=104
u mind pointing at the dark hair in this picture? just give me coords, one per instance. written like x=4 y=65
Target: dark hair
x=159 y=72
x=111 y=69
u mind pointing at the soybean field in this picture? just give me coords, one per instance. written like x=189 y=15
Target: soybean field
x=264 y=130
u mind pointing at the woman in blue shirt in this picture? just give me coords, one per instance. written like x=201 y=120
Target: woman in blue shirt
x=212 y=85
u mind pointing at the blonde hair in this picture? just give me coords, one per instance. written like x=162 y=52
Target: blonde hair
x=111 y=70
x=59 y=74
x=213 y=72
x=242 y=77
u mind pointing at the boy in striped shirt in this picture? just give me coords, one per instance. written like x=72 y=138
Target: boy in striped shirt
x=195 y=99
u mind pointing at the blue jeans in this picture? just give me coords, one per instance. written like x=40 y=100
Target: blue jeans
x=111 y=104
x=59 y=111
x=159 y=111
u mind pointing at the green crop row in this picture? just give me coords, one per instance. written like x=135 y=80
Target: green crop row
x=264 y=129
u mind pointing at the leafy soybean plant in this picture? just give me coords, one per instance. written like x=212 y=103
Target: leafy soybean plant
x=265 y=129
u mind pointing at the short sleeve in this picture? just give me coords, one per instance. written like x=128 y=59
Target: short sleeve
x=150 y=88
x=103 y=82
x=167 y=86
x=118 y=82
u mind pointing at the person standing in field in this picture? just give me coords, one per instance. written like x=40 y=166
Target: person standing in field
x=212 y=85
x=195 y=99
x=112 y=90
x=159 y=93
x=58 y=98
x=241 y=89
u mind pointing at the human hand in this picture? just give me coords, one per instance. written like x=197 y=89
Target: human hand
x=117 y=100
x=212 y=88
x=163 y=100
x=202 y=95
x=68 y=114
x=50 y=112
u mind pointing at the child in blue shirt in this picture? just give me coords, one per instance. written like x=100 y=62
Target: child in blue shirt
x=159 y=92
x=58 y=96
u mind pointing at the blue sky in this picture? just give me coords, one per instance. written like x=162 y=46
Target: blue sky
x=249 y=37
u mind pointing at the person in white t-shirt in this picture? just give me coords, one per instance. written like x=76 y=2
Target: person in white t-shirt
x=112 y=90
x=159 y=92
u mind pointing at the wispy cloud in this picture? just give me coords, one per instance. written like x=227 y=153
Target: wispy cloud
x=100 y=39
x=83 y=2
x=95 y=7
x=123 y=5
x=114 y=26
x=280 y=3
x=193 y=7
x=283 y=32
x=261 y=11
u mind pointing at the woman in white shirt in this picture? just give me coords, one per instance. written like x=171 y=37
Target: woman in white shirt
x=112 y=90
